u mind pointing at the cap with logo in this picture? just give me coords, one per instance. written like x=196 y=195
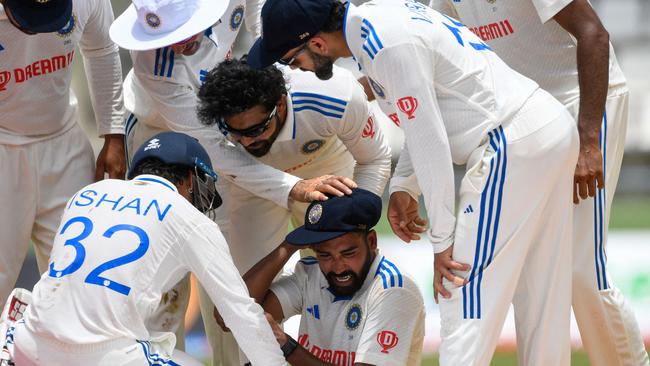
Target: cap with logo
x=151 y=24
x=40 y=16
x=287 y=24
x=326 y=220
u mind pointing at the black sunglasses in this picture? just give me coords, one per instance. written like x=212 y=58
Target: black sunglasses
x=252 y=131
x=290 y=61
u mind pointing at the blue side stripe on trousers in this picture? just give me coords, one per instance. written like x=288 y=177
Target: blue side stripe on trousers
x=600 y=202
x=483 y=242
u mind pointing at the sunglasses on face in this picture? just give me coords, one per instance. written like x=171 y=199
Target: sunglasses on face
x=290 y=61
x=253 y=131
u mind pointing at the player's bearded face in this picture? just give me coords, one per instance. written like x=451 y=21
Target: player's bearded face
x=323 y=66
x=348 y=282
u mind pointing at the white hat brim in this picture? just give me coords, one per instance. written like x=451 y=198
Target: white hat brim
x=127 y=32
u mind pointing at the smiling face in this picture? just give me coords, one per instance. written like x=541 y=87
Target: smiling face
x=257 y=128
x=345 y=261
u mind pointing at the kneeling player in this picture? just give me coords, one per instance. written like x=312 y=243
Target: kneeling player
x=357 y=307
x=121 y=244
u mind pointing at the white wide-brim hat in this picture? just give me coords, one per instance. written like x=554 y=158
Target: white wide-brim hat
x=152 y=24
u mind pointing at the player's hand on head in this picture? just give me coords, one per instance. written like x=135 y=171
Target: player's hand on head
x=403 y=217
x=589 y=174
x=111 y=159
x=317 y=189
x=219 y=320
x=443 y=265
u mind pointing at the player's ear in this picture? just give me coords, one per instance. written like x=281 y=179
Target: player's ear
x=319 y=43
x=371 y=237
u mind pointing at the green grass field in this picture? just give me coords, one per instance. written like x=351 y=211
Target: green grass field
x=510 y=359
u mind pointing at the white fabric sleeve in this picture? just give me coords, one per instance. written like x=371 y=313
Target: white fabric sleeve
x=444 y=7
x=392 y=319
x=406 y=71
x=404 y=178
x=289 y=289
x=547 y=9
x=253 y=17
x=206 y=254
x=177 y=104
x=103 y=70
x=363 y=137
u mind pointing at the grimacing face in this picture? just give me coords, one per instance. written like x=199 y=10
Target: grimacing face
x=345 y=261
x=260 y=145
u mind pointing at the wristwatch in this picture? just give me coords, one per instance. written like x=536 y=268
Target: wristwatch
x=289 y=346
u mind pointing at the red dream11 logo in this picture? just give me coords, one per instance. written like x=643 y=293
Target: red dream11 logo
x=387 y=339
x=369 y=129
x=5 y=77
x=408 y=105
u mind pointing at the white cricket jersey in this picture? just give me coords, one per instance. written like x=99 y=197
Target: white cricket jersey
x=120 y=246
x=36 y=101
x=526 y=37
x=329 y=125
x=447 y=87
x=381 y=324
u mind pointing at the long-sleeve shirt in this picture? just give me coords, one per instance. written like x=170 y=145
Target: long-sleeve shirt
x=120 y=246
x=36 y=101
x=447 y=87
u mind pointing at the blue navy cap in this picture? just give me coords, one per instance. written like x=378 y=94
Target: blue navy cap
x=287 y=24
x=173 y=148
x=40 y=16
x=326 y=220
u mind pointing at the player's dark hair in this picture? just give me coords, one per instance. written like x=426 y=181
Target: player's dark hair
x=335 y=19
x=172 y=172
x=234 y=87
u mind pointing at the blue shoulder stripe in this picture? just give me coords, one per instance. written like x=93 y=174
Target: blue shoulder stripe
x=319 y=96
x=316 y=109
x=321 y=104
x=373 y=33
x=372 y=44
x=389 y=272
x=164 y=63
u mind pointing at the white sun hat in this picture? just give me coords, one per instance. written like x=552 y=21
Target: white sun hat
x=151 y=24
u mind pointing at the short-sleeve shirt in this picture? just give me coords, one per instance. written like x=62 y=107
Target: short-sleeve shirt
x=381 y=324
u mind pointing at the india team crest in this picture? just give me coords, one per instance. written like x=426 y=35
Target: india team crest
x=312 y=146
x=315 y=213
x=353 y=318
x=379 y=91
x=236 y=17
x=69 y=27
x=152 y=20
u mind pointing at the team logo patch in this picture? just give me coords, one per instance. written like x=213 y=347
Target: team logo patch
x=311 y=146
x=153 y=144
x=379 y=91
x=152 y=20
x=369 y=129
x=315 y=213
x=387 y=339
x=353 y=319
x=236 y=17
x=408 y=105
x=69 y=27
x=5 y=77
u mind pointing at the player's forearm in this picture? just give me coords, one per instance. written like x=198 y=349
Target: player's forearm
x=302 y=357
x=258 y=279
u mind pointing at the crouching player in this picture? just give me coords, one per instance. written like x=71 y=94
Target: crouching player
x=357 y=307
x=120 y=246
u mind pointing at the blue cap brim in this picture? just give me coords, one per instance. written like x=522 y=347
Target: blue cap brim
x=259 y=58
x=44 y=20
x=302 y=236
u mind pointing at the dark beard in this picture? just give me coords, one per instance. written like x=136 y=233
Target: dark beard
x=357 y=280
x=265 y=145
x=323 y=66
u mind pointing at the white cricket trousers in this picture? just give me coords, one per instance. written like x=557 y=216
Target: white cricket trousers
x=608 y=328
x=514 y=228
x=37 y=181
x=32 y=350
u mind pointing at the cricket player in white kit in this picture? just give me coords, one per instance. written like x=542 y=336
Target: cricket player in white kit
x=458 y=102
x=173 y=45
x=45 y=155
x=120 y=246
x=562 y=45
x=356 y=306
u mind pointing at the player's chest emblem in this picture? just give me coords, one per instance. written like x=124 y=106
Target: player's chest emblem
x=312 y=146
x=236 y=17
x=353 y=317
